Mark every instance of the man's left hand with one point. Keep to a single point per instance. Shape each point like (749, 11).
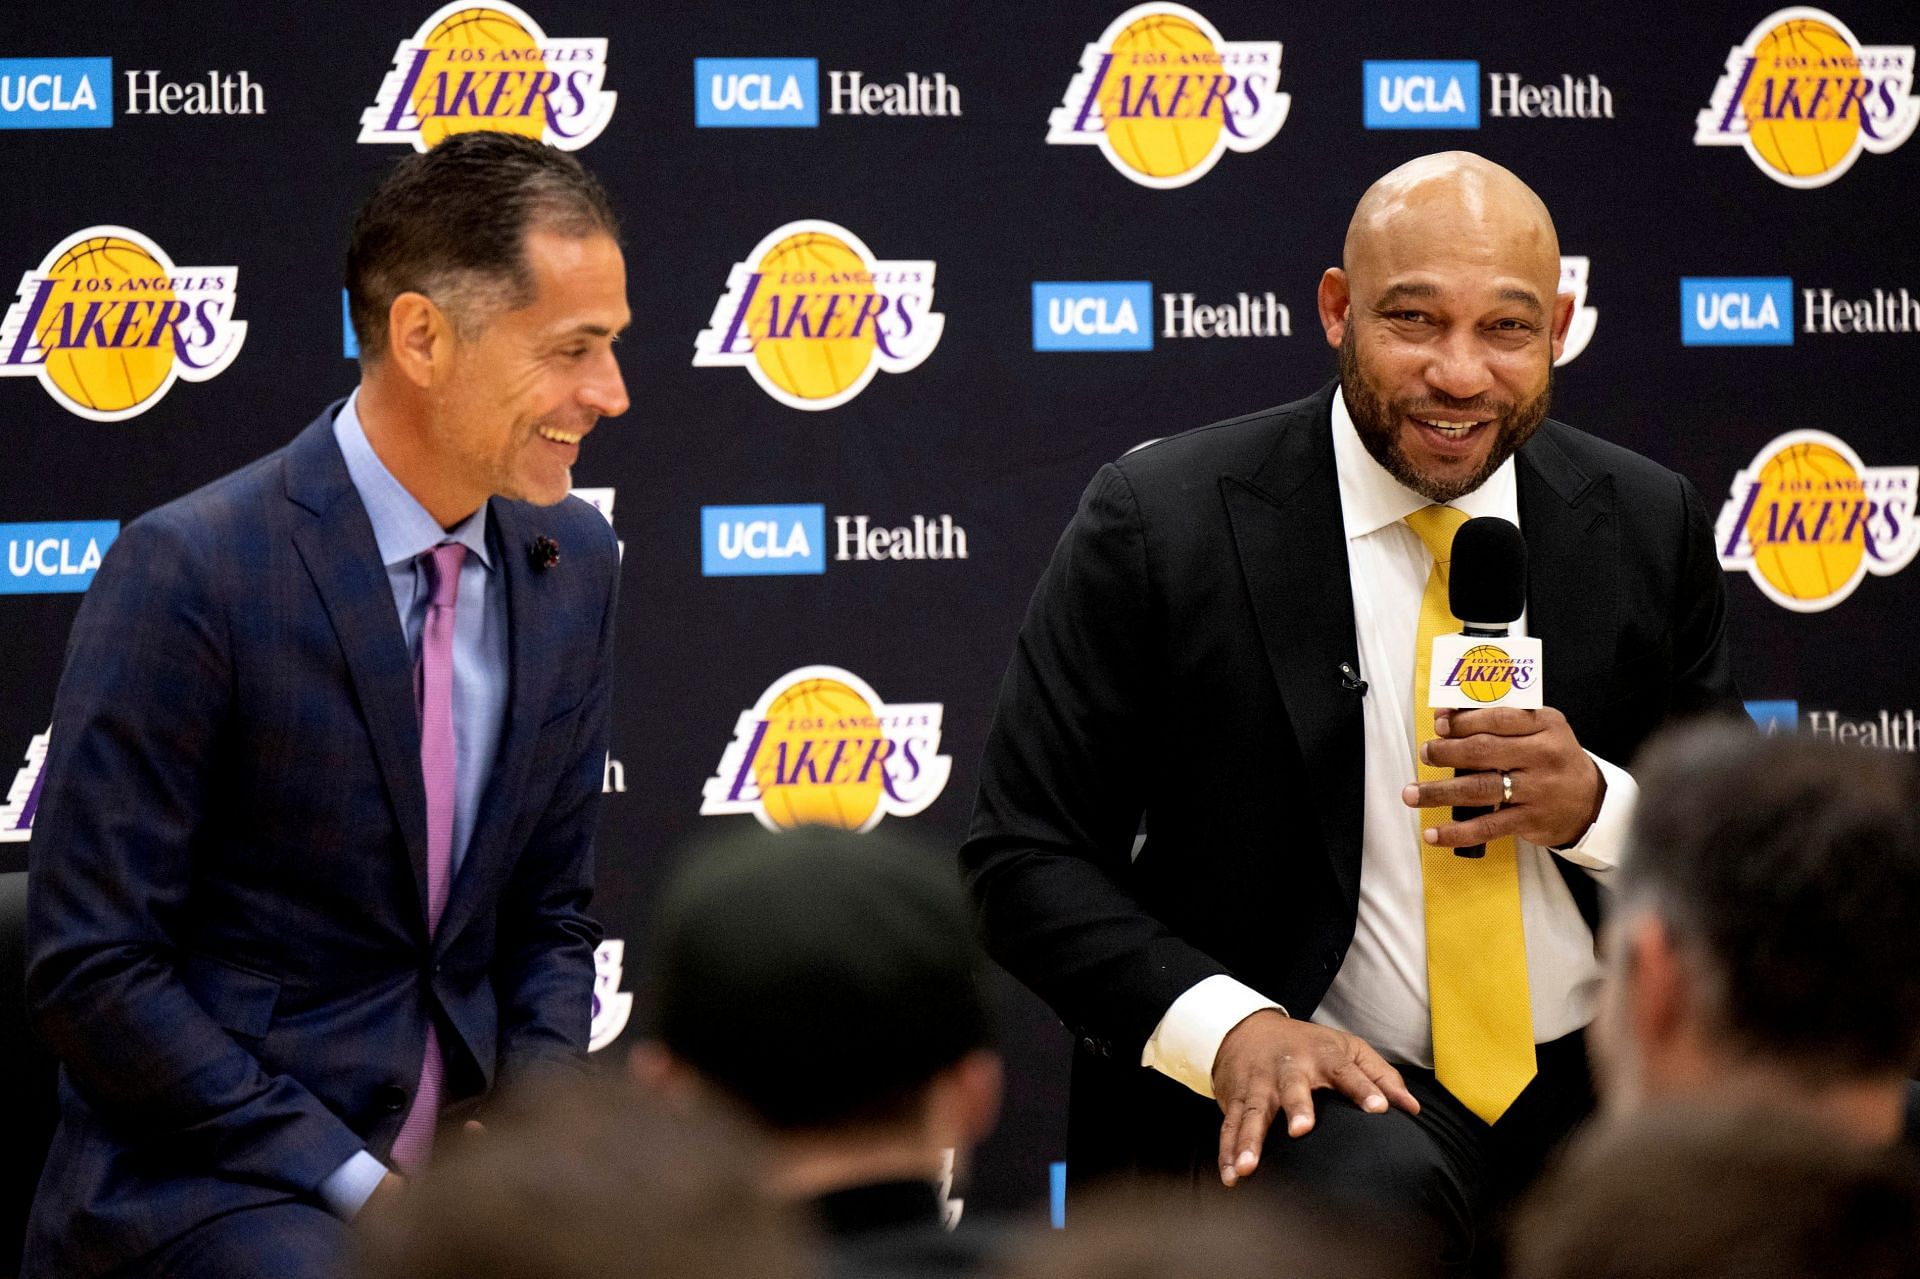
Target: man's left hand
(1557, 788)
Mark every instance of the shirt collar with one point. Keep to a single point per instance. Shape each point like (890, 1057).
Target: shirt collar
(1371, 499)
(402, 528)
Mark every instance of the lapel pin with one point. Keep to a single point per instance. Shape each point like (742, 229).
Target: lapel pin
(543, 553)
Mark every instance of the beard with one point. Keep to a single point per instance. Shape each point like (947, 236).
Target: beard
(1379, 421)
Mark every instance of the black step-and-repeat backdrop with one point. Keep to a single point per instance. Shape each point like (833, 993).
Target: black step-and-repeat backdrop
(903, 276)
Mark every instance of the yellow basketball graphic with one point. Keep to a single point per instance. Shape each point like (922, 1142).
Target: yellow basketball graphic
(107, 269)
(467, 44)
(834, 726)
(1156, 147)
(1802, 50)
(1486, 658)
(796, 272)
(1804, 567)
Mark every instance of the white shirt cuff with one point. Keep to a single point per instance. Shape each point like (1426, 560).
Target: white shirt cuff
(347, 1187)
(1600, 849)
(1184, 1044)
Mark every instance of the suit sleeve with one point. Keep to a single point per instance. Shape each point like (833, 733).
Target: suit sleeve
(136, 746)
(1062, 788)
(1703, 682)
(543, 961)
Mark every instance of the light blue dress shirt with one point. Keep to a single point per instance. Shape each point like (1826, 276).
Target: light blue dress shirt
(404, 531)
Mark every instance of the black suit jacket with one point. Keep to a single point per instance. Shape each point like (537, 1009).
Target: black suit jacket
(1178, 674)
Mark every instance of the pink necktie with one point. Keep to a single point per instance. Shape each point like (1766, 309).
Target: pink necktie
(433, 693)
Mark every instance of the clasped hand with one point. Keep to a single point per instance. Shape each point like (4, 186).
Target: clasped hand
(1557, 788)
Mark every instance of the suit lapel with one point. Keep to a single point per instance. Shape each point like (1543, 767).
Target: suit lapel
(1292, 548)
(338, 548)
(533, 660)
(1573, 563)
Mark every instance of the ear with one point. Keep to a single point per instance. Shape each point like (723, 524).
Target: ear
(1335, 299)
(420, 339)
(965, 1100)
(1662, 1006)
(1562, 321)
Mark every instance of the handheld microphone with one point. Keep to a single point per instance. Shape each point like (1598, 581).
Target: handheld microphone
(1483, 665)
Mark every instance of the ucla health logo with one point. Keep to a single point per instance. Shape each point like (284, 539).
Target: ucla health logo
(1808, 521)
(1421, 95)
(56, 93)
(1573, 279)
(1091, 315)
(612, 1006)
(54, 559)
(756, 93)
(820, 748)
(812, 315)
(107, 322)
(741, 541)
(1164, 96)
(1736, 311)
(490, 66)
(1803, 97)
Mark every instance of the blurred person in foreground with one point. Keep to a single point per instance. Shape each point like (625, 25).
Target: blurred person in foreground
(311, 873)
(829, 982)
(598, 1182)
(1686, 1191)
(1126, 1234)
(1764, 943)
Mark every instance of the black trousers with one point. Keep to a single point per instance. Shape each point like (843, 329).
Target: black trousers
(1441, 1180)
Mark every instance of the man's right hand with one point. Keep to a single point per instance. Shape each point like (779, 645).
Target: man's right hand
(1270, 1064)
(382, 1203)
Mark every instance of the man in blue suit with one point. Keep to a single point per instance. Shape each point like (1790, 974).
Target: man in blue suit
(311, 874)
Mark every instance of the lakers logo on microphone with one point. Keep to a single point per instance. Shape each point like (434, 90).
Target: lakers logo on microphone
(821, 748)
(1809, 520)
(812, 315)
(490, 66)
(1469, 671)
(107, 323)
(1164, 96)
(1804, 98)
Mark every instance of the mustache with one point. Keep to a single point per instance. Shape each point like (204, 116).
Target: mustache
(1478, 406)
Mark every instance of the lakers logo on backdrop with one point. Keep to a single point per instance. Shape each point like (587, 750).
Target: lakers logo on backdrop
(821, 748)
(490, 66)
(107, 323)
(1164, 96)
(812, 315)
(1804, 97)
(1808, 521)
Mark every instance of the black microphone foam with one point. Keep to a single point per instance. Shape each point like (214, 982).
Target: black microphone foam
(1487, 582)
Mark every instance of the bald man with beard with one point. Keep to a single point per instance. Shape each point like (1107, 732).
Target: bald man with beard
(1199, 832)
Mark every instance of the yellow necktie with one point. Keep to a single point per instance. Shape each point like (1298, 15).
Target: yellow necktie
(1476, 951)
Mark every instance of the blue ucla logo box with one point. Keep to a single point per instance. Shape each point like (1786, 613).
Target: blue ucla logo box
(1093, 315)
(756, 93)
(1775, 716)
(738, 541)
(1421, 95)
(56, 93)
(1736, 311)
(54, 559)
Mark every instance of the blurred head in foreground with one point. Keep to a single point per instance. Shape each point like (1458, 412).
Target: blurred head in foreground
(1765, 933)
(1691, 1192)
(1132, 1234)
(828, 982)
(593, 1182)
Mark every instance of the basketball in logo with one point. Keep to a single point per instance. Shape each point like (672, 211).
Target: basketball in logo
(842, 798)
(811, 367)
(1808, 521)
(1157, 147)
(464, 40)
(106, 379)
(1807, 147)
(1494, 669)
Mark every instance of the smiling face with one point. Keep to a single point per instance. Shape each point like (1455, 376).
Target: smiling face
(508, 417)
(1447, 320)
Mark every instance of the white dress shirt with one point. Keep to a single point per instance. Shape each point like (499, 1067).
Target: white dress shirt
(1380, 992)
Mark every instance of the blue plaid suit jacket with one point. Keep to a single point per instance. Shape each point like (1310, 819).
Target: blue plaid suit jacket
(228, 946)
